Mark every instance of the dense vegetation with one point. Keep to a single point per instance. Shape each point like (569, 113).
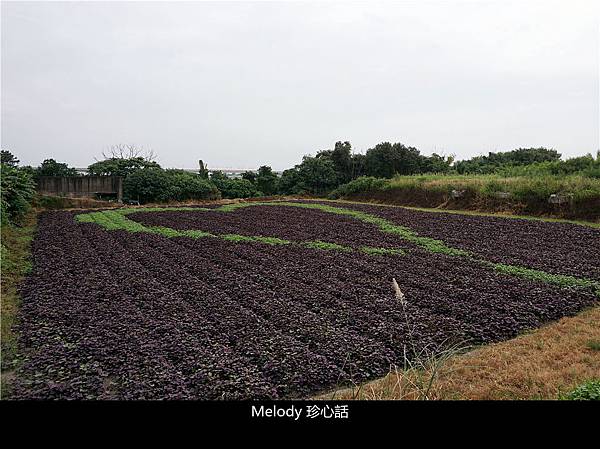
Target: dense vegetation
(493, 161)
(17, 189)
(158, 185)
(521, 181)
(330, 168)
(116, 166)
(524, 178)
(589, 391)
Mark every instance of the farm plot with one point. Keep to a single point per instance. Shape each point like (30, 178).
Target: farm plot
(560, 248)
(256, 300)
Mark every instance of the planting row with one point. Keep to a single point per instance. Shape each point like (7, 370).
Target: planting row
(554, 248)
(561, 248)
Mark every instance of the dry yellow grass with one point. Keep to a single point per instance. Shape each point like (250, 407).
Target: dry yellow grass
(543, 364)
(14, 263)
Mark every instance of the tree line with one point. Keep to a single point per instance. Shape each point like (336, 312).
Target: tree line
(146, 181)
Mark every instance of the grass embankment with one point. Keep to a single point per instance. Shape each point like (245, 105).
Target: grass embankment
(579, 195)
(558, 361)
(15, 264)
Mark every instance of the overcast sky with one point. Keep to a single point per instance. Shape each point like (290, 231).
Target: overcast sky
(245, 84)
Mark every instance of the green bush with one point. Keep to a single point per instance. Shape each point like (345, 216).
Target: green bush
(115, 166)
(146, 185)
(234, 188)
(266, 180)
(359, 185)
(158, 185)
(589, 391)
(186, 186)
(52, 168)
(494, 162)
(290, 183)
(16, 193)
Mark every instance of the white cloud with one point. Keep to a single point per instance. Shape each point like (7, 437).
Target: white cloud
(242, 84)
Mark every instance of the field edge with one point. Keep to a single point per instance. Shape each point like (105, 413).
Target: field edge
(15, 264)
(542, 364)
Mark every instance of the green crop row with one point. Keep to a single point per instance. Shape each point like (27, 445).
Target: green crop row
(116, 220)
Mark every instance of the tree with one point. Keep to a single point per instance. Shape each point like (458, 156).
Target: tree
(342, 159)
(217, 176)
(188, 186)
(317, 175)
(494, 161)
(17, 190)
(386, 160)
(7, 158)
(233, 188)
(203, 170)
(525, 156)
(52, 168)
(154, 184)
(290, 183)
(436, 164)
(146, 185)
(250, 176)
(359, 165)
(128, 151)
(341, 156)
(266, 180)
(120, 166)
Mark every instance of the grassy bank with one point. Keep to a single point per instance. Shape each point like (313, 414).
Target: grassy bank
(548, 363)
(15, 263)
(579, 196)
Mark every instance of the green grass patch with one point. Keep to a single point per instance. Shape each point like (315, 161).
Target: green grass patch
(15, 264)
(196, 234)
(537, 275)
(594, 345)
(381, 251)
(588, 391)
(327, 246)
(272, 240)
(237, 238)
(166, 232)
(133, 210)
(112, 220)
(522, 188)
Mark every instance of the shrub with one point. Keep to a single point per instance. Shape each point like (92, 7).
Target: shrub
(146, 185)
(52, 168)
(158, 185)
(290, 183)
(234, 188)
(16, 193)
(359, 185)
(185, 186)
(594, 345)
(266, 180)
(116, 166)
(589, 391)
(317, 175)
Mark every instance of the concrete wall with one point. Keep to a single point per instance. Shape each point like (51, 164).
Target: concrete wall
(80, 186)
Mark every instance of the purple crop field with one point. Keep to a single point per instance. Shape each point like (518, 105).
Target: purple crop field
(561, 248)
(110, 312)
